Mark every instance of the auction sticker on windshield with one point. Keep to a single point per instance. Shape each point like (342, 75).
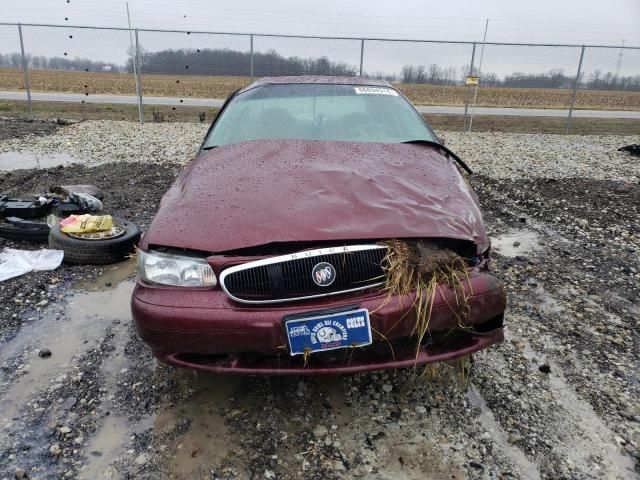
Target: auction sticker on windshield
(375, 91)
(328, 332)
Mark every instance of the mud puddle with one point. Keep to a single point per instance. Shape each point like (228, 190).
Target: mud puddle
(516, 243)
(207, 441)
(26, 159)
(110, 441)
(111, 277)
(114, 432)
(191, 433)
(65, 333)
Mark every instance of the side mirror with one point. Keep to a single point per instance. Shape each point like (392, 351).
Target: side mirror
(442, 140)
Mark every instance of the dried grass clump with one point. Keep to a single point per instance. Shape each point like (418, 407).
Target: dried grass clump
(421, 267)
(458, 369)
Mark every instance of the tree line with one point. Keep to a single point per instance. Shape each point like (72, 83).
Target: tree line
(271, 63)
(556, 78)
(233, 62)
(58, 63)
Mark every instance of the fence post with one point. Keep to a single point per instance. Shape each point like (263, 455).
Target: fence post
(575, 89)
(361, 55)
(25, 67)
(251, 55)
(138, 74)
(466, 102)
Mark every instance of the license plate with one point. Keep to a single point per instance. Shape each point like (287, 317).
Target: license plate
(321, 333)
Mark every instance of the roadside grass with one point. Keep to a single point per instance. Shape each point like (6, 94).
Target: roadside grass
(100, 111)
(557, 125)
(441, 122)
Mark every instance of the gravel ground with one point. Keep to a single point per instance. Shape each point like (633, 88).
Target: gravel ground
(519, 155)
(558, 399)
(95, 141)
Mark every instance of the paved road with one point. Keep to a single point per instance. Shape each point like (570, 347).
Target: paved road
(217, 102)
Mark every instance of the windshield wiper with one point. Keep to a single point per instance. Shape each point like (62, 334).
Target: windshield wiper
(209, 147)
(439, 146)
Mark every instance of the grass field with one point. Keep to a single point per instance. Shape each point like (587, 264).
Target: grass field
(481, 123)
(220, 86)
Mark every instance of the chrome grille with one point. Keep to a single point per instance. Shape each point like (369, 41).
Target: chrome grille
(289, 277)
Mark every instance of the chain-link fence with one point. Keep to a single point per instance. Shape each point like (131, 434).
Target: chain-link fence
(162, 75)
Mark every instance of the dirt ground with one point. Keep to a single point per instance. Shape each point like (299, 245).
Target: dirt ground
(557, 400)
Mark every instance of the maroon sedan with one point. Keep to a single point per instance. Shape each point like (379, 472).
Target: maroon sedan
(267, 255)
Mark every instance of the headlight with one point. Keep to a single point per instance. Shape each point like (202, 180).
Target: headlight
(175, 270)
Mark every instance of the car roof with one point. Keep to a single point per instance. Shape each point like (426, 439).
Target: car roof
(316, 79)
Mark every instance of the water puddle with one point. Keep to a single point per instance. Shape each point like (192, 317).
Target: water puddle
(527, 468)
(20, 160)
(112, 275)
(107, 444)
(66, 333)
(207, 440)
(516, 243)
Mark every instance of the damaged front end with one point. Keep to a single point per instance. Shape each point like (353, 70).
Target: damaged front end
(328, 310)
(322, 260)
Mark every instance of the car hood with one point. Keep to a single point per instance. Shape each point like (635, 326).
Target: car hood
(260, 192)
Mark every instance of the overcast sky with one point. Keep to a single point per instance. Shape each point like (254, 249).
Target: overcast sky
(570, 21)
(539, 21)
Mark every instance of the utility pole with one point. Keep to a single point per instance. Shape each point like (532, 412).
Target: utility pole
(135, 51)
(576, 83)
(25, 68)
(619, 64)
(475, 93)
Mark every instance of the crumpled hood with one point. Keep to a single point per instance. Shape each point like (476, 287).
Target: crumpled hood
(259, 192)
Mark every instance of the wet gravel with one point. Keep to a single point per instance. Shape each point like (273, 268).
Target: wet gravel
(96, 141)
(558, 399)
(521, 156)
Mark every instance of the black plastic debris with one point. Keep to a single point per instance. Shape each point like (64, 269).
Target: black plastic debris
(14, 228)
(25, 209)
(633, 149)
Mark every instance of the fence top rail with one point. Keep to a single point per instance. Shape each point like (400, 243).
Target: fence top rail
(317, 37)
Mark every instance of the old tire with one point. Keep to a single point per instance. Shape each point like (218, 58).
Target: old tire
(11, 232)
(96, 252)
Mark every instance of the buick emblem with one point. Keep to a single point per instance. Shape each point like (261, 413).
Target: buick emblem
(323, 274)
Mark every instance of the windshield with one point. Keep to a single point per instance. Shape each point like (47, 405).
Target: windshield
(319, 112)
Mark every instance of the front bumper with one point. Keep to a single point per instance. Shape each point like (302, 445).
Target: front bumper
(205, 330)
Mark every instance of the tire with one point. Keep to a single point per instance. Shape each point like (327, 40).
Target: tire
(96, 252)
(11, 232)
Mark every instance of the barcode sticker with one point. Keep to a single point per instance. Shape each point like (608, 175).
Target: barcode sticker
(376, 91)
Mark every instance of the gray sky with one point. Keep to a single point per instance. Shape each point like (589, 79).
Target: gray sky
(541, 21)
(565, 21)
